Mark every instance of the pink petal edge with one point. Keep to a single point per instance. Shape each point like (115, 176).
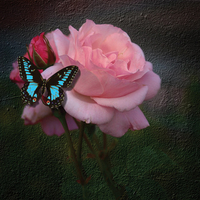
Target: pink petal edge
(85, 109)
(32, 115)
(124, 103)
(122, 121)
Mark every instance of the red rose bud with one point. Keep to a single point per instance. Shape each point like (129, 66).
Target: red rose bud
(51, 55)
(40, 52)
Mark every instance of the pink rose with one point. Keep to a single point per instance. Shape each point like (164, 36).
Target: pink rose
(115, 78)
(40, 113)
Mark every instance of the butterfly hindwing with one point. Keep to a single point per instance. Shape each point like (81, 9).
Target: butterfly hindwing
(30, 93)
(55, 96)
(30, 74)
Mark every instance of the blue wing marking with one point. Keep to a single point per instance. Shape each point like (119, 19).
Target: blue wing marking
(54, 92)
(61, 82)
(65, 77)
(29, 77)
(26, 65)
(31, 89)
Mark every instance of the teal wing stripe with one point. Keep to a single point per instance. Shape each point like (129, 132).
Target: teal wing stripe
(54, 92)
(31, 89)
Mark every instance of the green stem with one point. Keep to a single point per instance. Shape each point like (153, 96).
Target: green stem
(60, 114)
(104, 170)
(64, 123)
(97, 142)
(104, 141)
(77, 122)
(88, 143)
(80, 142)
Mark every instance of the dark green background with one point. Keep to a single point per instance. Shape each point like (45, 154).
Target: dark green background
(160, 162)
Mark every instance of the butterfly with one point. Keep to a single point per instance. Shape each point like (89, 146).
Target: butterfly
(35, 86)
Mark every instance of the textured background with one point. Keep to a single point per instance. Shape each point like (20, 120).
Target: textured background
(160, 162)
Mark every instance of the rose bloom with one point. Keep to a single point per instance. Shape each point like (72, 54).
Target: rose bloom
(115, 77)
(40, 113)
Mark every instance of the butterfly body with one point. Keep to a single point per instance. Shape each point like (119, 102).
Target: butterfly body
(35, 86)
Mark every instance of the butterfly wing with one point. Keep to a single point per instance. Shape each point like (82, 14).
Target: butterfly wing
(55, 96)
(29, 73)
(30, 93)
(62, 78)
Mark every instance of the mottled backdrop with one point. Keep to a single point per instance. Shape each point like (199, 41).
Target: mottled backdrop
(160, 162)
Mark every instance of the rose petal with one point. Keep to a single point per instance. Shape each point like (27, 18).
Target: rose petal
(32, 115)
(85, 30)
(92, 87)
(74, 47)
(52, 70)
(85, 109)
(52, 126)
(112, 56)
(113, 87)
(135, 76)
(61, 42)
(135, 55)
(153, 82)
(115, 42)
(120, 67)
(122, 121)
(124, 103)
(97, 33)
(99, 59)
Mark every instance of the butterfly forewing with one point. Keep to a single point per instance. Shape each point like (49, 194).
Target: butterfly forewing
(28, 71)
(62, 78)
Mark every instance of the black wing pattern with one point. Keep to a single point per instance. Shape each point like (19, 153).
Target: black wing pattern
(30, 74)
(35, 85)
(62, 78)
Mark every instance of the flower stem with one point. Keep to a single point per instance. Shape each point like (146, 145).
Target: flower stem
(73, 152)
(77, 161)
(80, 142)
(104, 141)
(104, 169)
(88, 143)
